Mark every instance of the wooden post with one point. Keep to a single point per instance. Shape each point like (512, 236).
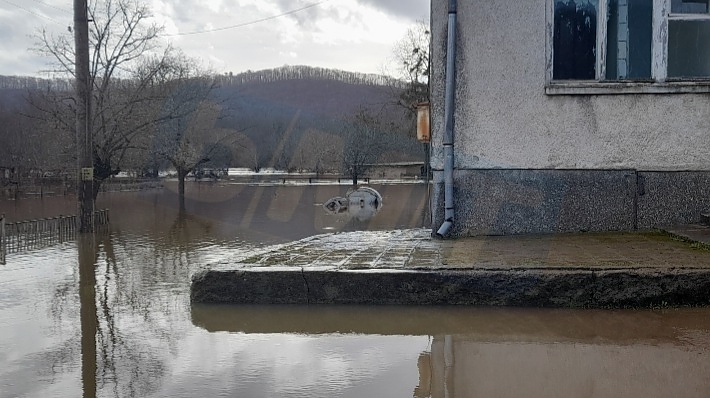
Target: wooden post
(8, 236)
(2, 239)
(83, 117)
(34, 227)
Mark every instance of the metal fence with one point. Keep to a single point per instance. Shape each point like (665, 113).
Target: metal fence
(34, 234)
(3, 250)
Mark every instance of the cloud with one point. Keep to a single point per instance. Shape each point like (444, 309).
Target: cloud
(355, 35)
(340, 34)
(412, 10)
(19, 23)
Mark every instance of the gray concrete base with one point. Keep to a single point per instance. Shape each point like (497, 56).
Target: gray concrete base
(522, 201)
(529, 288)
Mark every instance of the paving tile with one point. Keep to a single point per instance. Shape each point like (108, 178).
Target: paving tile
(415, 249)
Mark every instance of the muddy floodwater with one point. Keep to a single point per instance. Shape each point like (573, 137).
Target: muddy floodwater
(110, 316)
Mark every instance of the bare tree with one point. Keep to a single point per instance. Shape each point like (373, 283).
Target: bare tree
(296, 72)
(192, 139)
(29, 149)
(411, 56)
(362, 144)
(124, 86)
(317, 151)
(411, 64)
(53, 111)
(269, 147)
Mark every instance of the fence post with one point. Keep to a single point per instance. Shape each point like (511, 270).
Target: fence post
(2, 239)
(23, 235)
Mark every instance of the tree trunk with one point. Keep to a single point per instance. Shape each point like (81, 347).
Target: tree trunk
(354, 180)
(97, 187)
(181, 182)
(182, 174)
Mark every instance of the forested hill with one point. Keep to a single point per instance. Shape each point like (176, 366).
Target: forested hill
(301, 72)
(33, 83)
(328, 92)
(248, 78)
(295, 109)
(329, 98)
(264, 104)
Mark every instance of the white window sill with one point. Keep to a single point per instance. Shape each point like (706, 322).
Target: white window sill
(585, 87)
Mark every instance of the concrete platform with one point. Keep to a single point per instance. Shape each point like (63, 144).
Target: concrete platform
(603, 270)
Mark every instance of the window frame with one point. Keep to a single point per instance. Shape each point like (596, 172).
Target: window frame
(659, 82)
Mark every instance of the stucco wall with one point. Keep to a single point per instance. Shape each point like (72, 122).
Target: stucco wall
(529, 162)
(504, 119)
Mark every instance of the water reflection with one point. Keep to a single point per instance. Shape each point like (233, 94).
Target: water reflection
(112, 362)
(111, 316)
(361, 204)
(511, 352)
(88, 315)
(259, 214)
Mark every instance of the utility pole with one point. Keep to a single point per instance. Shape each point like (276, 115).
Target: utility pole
(84, 137)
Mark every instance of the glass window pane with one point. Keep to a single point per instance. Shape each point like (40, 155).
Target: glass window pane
(629, 36)
(688, 43)
(689, 6)
(575, 40)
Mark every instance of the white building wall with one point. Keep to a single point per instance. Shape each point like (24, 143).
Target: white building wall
(504, 119)
(529, 162)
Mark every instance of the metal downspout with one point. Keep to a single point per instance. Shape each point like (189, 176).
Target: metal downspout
(449, 123)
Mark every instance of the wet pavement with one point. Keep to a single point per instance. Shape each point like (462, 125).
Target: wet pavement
(621, 269)
(415, 249)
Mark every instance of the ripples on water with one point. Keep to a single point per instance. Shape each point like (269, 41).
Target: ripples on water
(112, 318)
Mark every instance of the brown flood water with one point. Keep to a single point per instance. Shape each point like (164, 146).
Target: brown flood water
(110, 317)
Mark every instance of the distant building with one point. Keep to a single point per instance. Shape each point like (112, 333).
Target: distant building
(591, 115)
(396, 170)
(7, 175)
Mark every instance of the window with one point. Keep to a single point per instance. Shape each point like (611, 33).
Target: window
(629, 36)
(575, 40)
(688, 39)
(651, 42)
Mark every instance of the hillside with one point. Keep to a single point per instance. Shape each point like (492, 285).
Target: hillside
(291, 108)
(327, 92)
(326, 97)
(12, 99)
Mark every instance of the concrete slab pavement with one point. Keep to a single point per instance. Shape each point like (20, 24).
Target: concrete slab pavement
(624, 269)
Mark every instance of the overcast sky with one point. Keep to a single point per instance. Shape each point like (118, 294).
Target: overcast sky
(353, 35)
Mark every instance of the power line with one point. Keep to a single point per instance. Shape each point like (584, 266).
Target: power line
(55, 7)
(34, 13)
(250, 22)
